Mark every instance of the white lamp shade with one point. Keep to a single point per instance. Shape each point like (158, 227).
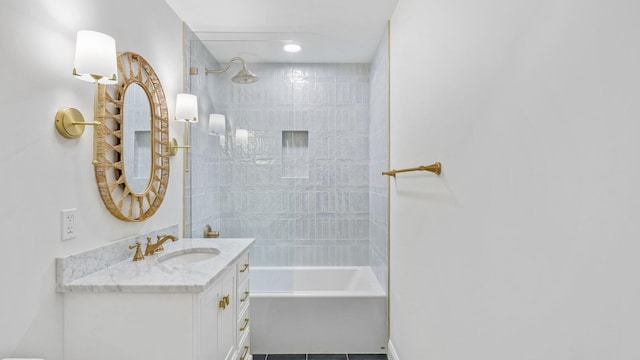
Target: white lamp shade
(187, 108)
(216, 124)
(242, 136)
(95, 59)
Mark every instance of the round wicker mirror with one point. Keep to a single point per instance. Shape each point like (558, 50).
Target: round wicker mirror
(117, 195)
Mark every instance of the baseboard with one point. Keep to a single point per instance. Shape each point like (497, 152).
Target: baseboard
(391, 352)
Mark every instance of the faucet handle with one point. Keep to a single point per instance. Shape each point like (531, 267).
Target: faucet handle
(159, 248)
(209, 233)
(148, 250)
(138, 256)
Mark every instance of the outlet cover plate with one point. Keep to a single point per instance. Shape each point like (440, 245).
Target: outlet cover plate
(68, 228)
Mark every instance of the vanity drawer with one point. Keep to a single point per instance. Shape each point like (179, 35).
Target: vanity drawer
(244, 351)
(243, 326)
(242, 297)
(242, 267)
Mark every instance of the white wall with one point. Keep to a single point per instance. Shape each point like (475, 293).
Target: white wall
(527, 246)
(42, 172)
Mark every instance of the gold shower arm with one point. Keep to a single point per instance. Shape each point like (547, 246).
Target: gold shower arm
(219, 71)
(435, 168)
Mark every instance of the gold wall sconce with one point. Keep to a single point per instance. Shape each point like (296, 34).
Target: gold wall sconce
(187, 112)
(95, 61)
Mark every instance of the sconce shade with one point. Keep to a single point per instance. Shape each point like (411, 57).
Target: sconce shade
(216, 124)
(187, 108)
(242, 136)
(95, 58)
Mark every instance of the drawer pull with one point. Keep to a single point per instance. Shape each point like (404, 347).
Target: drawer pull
(224, 302)
(244, 353)
(246, 296)
(246, 266)
(246, 323)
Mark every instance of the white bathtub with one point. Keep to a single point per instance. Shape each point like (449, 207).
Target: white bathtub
(321, 310)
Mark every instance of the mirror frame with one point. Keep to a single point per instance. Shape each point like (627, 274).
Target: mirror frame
(120, 200)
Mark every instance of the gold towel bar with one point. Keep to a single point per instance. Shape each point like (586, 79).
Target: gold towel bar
(435, 168)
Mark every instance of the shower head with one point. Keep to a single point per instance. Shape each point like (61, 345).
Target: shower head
(244, 76)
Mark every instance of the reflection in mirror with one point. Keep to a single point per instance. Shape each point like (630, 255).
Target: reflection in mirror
(137, 137)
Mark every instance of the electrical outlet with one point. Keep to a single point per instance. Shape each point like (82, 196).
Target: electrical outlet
(68, 230)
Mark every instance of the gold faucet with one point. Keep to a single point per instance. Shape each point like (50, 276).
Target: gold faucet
(157, 247)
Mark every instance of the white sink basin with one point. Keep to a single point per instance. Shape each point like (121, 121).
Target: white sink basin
(188, 256)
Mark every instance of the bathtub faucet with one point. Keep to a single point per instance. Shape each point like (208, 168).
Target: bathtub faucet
(157, 247)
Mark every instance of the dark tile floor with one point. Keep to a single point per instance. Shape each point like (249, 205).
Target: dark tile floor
(320, 357)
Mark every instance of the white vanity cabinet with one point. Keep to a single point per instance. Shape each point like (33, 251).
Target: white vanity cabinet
(215, 318)
(226, 315)
(144, 325)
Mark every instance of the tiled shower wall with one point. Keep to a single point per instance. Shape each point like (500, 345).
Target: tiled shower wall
(318, 212)
(327, 206)
(378, 162)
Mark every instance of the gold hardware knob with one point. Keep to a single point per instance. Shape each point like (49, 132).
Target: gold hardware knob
(246, 323)
(246, 296)
(224, 302)
(246, 266)
(244, 353)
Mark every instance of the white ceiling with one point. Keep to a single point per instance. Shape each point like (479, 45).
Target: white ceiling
(330, 31)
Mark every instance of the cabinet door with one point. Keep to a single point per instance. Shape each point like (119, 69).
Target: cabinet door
(227, 318)
(207, 317)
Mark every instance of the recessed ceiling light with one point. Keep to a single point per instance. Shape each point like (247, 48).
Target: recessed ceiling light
(292, 48)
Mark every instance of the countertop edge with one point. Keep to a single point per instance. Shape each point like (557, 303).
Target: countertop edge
(94, 283)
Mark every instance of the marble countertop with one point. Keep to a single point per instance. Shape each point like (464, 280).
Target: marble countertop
(152, 276)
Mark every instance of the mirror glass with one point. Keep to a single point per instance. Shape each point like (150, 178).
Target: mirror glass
(137, 137)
